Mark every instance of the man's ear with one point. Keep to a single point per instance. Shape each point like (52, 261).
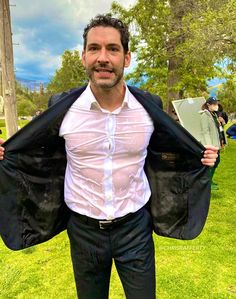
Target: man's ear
(83, 58)
(127, 59)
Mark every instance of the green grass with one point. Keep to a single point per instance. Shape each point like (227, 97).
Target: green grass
(202, 268)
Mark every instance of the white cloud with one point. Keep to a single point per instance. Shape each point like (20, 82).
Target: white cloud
(45, 29)
(40, 60)
(85, 10)
(72, 13)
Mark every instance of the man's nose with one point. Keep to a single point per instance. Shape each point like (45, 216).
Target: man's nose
(103, 56)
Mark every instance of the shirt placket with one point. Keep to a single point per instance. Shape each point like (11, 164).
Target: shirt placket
(110, 147)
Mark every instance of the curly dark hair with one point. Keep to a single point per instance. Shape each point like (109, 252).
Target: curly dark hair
(107, 20)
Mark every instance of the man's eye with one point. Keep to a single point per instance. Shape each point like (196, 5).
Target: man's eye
(114, 49)
(93, 49)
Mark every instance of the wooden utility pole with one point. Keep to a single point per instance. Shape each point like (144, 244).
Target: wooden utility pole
(7, 69)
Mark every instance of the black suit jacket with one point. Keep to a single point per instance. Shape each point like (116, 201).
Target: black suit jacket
(32, 208)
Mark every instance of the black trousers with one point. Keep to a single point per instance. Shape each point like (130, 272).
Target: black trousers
(129, 244)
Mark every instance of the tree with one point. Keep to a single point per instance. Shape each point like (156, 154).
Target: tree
(173, 57)
(24, 103)
(7, 69)
(29, 102)
(71, 73)
(227, 95)
(216, 32)
(40, 100)
(25, 107)
(217, 27)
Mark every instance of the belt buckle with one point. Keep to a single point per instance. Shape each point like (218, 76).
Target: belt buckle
(104, 224)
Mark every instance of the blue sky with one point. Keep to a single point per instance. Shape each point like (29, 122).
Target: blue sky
(44, 29)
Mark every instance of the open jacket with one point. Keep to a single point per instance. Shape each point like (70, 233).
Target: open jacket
(32, 208)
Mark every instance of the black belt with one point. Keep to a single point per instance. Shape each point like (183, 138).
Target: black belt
(106, 224)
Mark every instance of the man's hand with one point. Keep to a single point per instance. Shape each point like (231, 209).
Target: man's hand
(210, 155)
(1, 149)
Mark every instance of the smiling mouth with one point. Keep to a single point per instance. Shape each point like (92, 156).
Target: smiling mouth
(100, 70)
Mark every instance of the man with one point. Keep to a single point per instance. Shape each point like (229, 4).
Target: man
(107, 132)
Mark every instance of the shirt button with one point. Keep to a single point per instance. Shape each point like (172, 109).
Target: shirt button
(109, 197)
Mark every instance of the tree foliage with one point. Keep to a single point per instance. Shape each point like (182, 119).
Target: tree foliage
(28, 102)
(227, 95)
(25, 107)
(71, 73)
(178, 43)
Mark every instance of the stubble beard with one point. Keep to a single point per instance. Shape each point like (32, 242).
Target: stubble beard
(105, 85)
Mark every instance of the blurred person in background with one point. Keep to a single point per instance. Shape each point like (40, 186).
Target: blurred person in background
(231, 131)
(223, 119)
(211, 131)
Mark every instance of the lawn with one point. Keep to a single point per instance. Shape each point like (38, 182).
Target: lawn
(201, 268)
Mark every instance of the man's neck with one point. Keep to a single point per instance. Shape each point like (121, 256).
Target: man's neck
(109, 99)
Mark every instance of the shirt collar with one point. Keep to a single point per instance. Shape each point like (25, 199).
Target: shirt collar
(88, 101)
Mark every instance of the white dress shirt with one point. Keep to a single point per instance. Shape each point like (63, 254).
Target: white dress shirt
(106, 153)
